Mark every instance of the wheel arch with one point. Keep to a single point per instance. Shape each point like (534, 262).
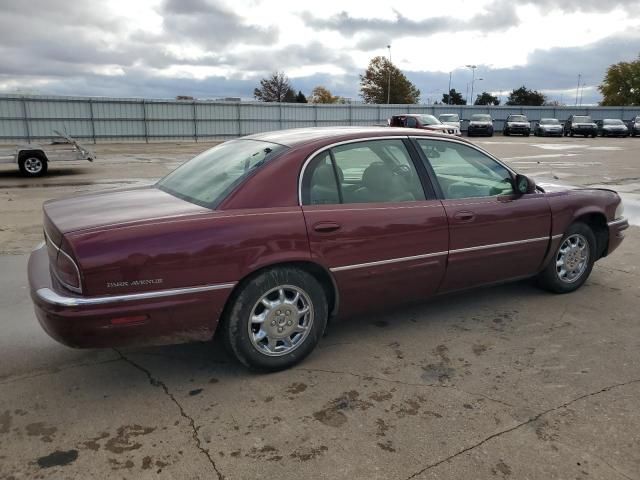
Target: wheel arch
(597, 221)
(31, 151)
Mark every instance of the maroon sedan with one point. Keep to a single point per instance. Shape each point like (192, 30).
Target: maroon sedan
(269, 236)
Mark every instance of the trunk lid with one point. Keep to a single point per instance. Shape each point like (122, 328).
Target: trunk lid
(86, 212)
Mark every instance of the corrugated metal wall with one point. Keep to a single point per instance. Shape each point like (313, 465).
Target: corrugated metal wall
(34, 118)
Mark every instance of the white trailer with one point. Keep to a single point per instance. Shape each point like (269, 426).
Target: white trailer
(33, 159)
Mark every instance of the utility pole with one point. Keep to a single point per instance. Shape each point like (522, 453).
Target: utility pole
(581, 92)
(449, 91)
(389, 80)
(578, 87)
(473, 79)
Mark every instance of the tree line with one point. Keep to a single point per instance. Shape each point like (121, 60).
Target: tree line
(383, 82)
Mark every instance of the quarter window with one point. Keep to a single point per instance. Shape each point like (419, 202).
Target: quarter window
(464, 172)
(363, 172)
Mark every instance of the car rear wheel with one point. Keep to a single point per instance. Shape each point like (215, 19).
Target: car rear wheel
(572, 262)
(276, 319)
(32, 165)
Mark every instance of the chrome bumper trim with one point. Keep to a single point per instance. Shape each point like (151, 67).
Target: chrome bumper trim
(49, 296)
(621, 221)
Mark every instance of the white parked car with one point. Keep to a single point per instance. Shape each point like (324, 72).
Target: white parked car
(452, 119)
(422, 121)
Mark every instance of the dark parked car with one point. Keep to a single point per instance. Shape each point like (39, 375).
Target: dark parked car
(634, 126)
(580, 125)
(611, 127)
(265, 238)
(480, 124)
(548, 126)
(517, 124)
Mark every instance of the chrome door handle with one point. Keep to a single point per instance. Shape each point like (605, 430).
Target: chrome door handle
(465, 216)
(326, 227)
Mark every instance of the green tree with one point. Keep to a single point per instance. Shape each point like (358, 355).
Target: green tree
(374, 84)
(300, 98)
(486, 99)
(275, 88)
(621, 84)
(321, 94)
(524, 96)
(453, 98)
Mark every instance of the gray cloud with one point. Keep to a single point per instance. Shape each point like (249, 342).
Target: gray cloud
(210, 25)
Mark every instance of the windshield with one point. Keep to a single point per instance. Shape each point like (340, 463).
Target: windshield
(206, 179)
(517, 118)
(582, 120)
(612, 122)
(429, 120)
(480, 118)
(449, 117)
(549, 121)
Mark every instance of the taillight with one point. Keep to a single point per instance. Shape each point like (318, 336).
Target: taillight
(67, 271)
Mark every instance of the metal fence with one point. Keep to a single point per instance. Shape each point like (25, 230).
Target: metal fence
(34, 118)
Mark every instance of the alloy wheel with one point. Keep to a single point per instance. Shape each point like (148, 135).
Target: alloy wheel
(572, 258)
(281, 320)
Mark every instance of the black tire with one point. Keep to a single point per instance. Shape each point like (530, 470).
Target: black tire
(33, 164)
(564, 133)
(237, 319)
(505, 132)
(550, 279)
(527, 134)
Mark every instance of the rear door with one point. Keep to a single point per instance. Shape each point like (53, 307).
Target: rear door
(374, 223)
(495, 234)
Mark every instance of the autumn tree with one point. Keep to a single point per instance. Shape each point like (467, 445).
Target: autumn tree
(485, 98)
(524, 96)
(621, 84)
(453, 98)
(321, 94)
(275, 88)
(374, 84)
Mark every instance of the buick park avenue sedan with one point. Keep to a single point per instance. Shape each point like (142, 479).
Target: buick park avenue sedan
(267, 237)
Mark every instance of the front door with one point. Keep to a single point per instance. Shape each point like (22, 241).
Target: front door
(495, 234)
(372, 225)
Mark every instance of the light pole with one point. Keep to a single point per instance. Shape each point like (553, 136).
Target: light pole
(449, 92)
(578, 87)
(473, 78)
(389, 79)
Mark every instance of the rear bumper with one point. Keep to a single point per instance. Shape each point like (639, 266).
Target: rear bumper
(146, 318)
(616, 233)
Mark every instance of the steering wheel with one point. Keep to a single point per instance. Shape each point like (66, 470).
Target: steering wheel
(403, 171)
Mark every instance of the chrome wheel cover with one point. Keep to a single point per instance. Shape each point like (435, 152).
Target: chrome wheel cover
(33, 165)
(280, 321)
(572, 258)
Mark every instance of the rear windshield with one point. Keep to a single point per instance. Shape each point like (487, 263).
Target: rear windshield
(549, 121)
(582, 120)
(517, 118)
(612, 122)
(480, 118)
(449, 117)
(208, 178)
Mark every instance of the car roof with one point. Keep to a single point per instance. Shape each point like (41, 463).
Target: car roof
(300, 136)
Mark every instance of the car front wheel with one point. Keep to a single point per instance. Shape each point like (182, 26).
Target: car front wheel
(276, 319)
(572, 262)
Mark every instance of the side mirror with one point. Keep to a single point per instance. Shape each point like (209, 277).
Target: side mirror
(524, 184)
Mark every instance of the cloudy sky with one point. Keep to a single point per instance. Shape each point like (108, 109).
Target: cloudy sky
(213, 48)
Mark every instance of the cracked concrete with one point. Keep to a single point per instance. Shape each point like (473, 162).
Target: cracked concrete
(159, 383)
(504, 382)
